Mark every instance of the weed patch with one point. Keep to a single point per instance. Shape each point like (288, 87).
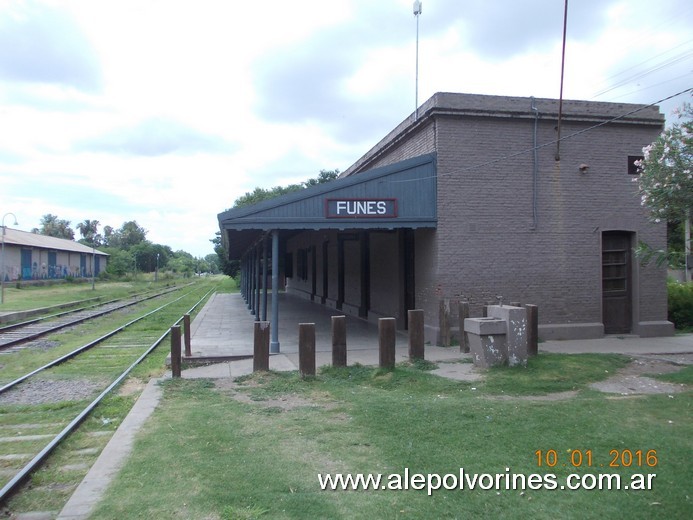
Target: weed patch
(549, 373)
(205, 454)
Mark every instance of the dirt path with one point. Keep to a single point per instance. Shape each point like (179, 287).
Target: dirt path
(634, 378)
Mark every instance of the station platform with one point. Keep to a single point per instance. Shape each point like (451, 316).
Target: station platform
(222, 335)
(224, 327)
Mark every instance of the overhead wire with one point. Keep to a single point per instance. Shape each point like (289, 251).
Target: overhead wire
(519, 153)
(648, 37)
(672, 61)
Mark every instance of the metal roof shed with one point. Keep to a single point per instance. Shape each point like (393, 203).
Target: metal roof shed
(400, 195)
(408, 188)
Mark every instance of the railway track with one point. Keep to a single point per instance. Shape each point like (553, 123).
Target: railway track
(17, 334)
(97, 367)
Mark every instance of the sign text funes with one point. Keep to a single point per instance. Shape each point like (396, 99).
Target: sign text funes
(361, 208)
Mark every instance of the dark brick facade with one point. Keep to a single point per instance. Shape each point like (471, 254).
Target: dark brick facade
(489, 242)
(515, 216)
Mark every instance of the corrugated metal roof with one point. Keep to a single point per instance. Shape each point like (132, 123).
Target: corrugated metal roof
(406, 189)
(26, 239)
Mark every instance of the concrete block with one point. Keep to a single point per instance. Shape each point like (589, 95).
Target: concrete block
(484, 326)
(488, 351)
(487, 341)
(515, 320)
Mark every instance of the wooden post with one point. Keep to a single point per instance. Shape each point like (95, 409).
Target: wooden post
(386, 340)
(306, 349)
(186, 328)
(532, 329)
(261, 346)
(339, 341)
(416, 334)
(444, 322)
(175, 351)
(463, 314)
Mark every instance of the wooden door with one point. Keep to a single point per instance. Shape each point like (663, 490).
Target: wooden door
(27, 271)
(617, 291)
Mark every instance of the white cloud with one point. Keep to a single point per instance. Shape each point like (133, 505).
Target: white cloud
(165, 112)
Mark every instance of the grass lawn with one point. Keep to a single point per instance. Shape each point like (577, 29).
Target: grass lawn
(254, 448)
(37, 296)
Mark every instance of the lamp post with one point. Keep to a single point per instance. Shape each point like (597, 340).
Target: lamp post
(417, 12)
(93, 265)
(156, 271)
(2, 256)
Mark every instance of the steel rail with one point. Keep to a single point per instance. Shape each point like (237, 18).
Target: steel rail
(43, 454)
(38, 334)
(12, 326)
(86, 346)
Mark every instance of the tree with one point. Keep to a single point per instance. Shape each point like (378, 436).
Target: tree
(184, 263)
(108, 233)
(232, 267)
(129, 235)
(228, 267)
(52, 226)
(260, 194)
(212, 261)
(119, 262)
(89, 229)
(665, 182)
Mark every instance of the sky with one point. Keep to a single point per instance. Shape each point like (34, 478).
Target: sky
(166, 111)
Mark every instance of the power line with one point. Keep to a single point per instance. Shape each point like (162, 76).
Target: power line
(550, 143)
(670, 80)
(672, 61)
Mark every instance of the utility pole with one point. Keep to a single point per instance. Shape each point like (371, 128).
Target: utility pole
(417, 12)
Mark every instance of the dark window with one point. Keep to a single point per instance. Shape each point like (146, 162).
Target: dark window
(289, 265)
(632, 167)
(302, 264)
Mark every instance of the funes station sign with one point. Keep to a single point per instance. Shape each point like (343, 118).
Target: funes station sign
(361, 208)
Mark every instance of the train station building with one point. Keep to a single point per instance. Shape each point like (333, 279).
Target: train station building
(30, 256)
(474, 198)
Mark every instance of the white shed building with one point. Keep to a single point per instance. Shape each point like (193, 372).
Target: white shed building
(30, 256)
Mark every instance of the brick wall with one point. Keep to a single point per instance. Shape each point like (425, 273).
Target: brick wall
(488, 243)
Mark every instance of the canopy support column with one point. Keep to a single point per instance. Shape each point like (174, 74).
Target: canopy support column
(274, 324)
(264, 279)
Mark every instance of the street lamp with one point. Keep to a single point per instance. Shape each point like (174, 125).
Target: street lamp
(417, 12)
(93, 265)
(2, 256)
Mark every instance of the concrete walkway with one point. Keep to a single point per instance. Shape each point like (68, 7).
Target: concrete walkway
(224, 329)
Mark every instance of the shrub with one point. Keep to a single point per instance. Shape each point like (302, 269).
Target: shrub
(681, 304)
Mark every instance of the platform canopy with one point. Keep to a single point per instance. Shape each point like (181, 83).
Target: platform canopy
(400, 195)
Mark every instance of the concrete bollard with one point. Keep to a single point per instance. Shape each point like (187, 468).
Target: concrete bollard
(306, 349)
(444, 322)
(532, 329)
(175, 351)
(261, 339)
(339, 341)
(186, 328)
(464, 314)
(515, 321)
(416, 334)
(386, 340)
